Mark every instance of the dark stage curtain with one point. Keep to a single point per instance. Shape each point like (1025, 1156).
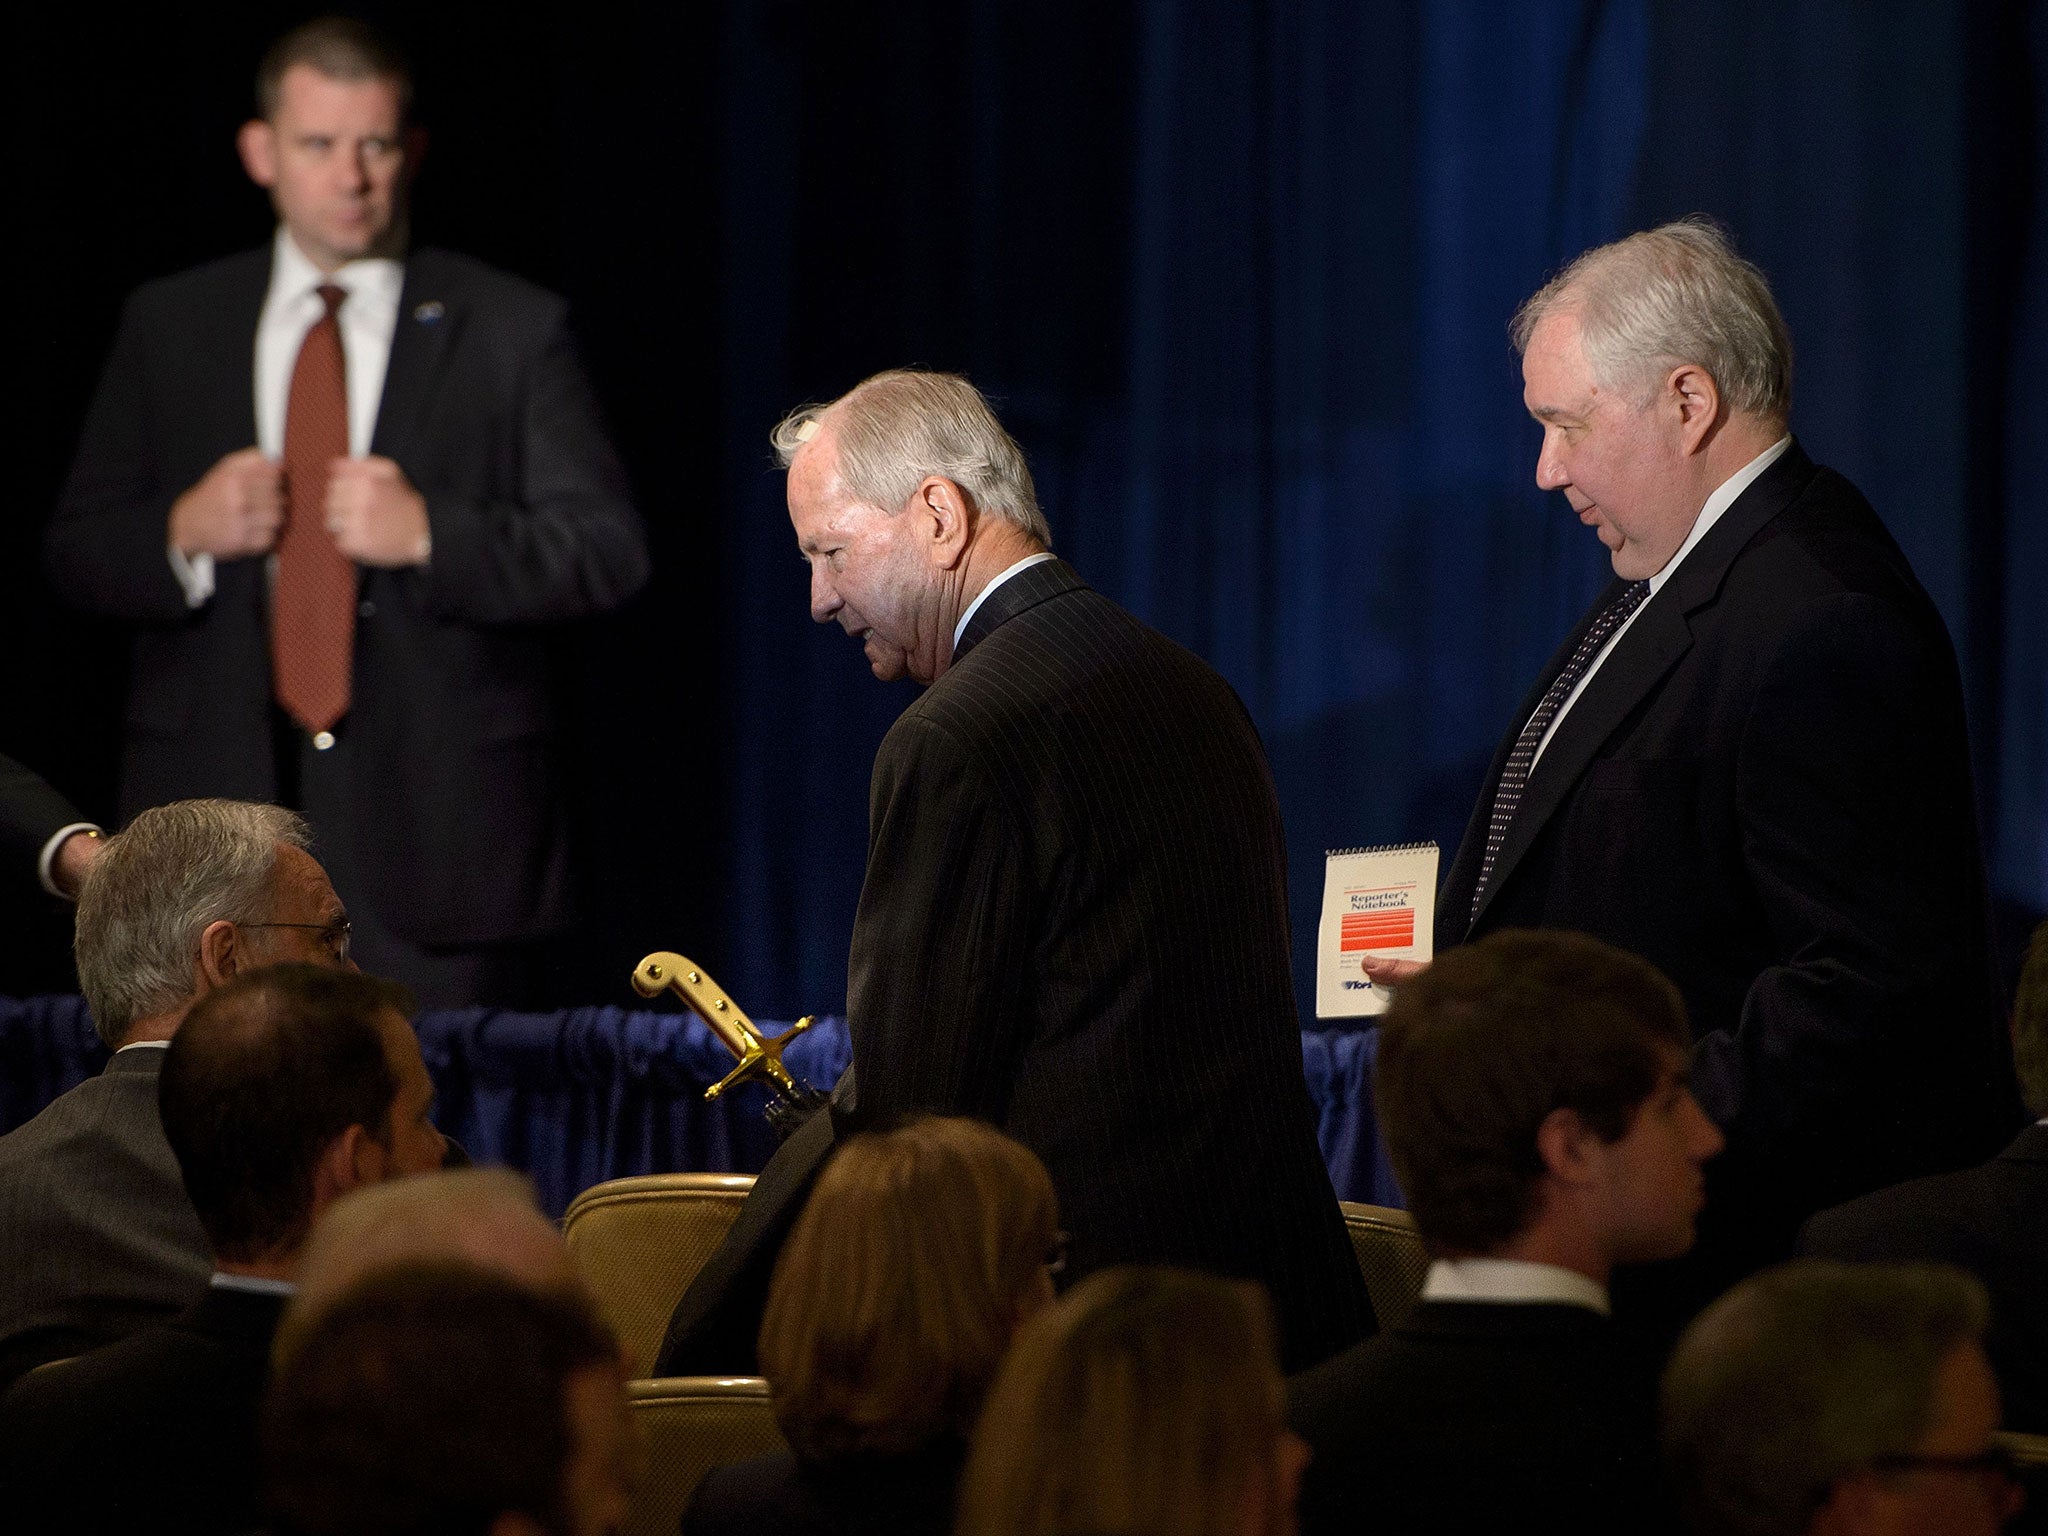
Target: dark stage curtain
(1239, 276)
(590, 1094)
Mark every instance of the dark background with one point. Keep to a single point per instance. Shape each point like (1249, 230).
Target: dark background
(1237, 275)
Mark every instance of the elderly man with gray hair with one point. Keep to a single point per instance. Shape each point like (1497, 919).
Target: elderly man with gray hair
(1822, 1399)
(1746, 763)
(1074, 923)
(99, 1236)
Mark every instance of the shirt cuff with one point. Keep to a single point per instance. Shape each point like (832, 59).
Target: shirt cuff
(45, 865)
(194, 573)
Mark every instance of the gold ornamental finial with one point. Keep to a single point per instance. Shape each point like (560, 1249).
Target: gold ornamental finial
(665, 971)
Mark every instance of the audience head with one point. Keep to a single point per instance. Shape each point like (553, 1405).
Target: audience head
(1532, 1088)
(1838, 1400)
(329, 141)
(191, 895)
(1143, 1401)
(2030, 1025)
(486, 1218)
(283, 1090)
(891, 488)
(444, 1400)
(1658, 366)
(917, 1256)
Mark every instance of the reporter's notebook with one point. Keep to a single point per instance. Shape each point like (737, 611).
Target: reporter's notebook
(1376, 901)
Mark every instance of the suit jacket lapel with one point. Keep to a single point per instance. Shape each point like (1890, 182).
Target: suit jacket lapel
(1026, 589)
(429, 315)
(1639, 661)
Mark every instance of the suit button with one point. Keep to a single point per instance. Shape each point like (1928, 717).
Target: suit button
(322, 740)
(366, 609)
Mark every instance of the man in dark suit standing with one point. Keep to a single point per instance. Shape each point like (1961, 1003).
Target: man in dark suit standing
(1747, 763)
(99, 1236)
(1074, 921)
(284, 1090)
(40, 828)
(1991, 1220)
(346, 579)
(1532, 1088)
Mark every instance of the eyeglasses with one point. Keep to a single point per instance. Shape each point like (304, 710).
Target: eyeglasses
(1056, 1254)
(1995, 1460)
(335, 935)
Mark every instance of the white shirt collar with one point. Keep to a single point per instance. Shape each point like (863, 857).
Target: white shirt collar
(255, 1285)
(1512, 1280)
(1722, 499)
(373, 282)
(143, 1045)
(1022, 565)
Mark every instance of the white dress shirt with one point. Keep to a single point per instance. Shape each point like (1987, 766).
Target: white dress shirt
(255, 1285)
(291, 308)
(1516, 1281)
(46, 861)
(1022, 565)
(1722, 499)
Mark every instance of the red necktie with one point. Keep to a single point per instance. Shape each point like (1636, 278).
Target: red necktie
(313, 601)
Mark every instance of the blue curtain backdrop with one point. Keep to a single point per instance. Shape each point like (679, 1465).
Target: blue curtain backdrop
(1239, 275)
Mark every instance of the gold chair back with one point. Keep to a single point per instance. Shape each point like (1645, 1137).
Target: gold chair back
(640, 1242)
(1390, 1255)
(687, 1426)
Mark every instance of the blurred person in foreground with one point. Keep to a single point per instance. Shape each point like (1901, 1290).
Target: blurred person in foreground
(440, 1399)
(99, 1235)
(1990, 1220)
(283, 1090)
(1824, 1399)
(1145, 1402)
(920, 1253)
(487, 1218)
(1532, 1091)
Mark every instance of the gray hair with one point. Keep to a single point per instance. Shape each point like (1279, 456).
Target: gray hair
(898, 427)
(1675, 294)
(152, 892)
(1801, 1376)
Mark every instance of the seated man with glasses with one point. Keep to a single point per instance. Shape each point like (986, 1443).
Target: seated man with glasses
(1825, 1399)
(99, 1235)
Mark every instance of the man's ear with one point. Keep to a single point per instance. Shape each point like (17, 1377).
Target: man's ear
(257, 142)
(223, 954)
(352, 1159)
(1565, 1144)
(1697, 400)
(947, 520)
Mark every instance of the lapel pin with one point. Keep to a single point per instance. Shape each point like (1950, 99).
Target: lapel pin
(429, 312)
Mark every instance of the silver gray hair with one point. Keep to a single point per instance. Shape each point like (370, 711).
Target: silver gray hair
(1675, 294)
(898, 427)
(1802, 1376)
(152, 892)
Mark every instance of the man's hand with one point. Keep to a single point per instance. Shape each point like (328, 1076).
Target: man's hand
(375, 515)
(73, 858)
(1382, 972)
(235, 510)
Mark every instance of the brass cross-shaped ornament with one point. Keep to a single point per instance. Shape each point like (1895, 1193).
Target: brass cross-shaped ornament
(759, 1055)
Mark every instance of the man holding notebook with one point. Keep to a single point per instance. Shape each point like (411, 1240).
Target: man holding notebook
(1747, 762)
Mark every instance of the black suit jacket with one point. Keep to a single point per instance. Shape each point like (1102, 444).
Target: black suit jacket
(459, 826)
(1991, 1220)
(1765, 790)
(1074, 925)
(30, 814)
(98, 1235)
(1480, 1417)
(155, 1433)
(862, 1496)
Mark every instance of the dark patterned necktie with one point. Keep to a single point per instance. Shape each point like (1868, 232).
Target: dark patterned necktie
(1514, 778)
(313, 601)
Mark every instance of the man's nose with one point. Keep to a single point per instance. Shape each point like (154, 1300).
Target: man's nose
(825, 601)
(356, 167)
(1550, 471)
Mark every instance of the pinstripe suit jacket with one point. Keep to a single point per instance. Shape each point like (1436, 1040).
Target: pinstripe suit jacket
(96, 1231)
(1075, 926)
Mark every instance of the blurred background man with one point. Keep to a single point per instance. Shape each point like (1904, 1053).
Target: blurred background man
(343, 598)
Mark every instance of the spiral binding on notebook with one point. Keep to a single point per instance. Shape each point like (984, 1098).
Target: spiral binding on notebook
(1341, 853)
